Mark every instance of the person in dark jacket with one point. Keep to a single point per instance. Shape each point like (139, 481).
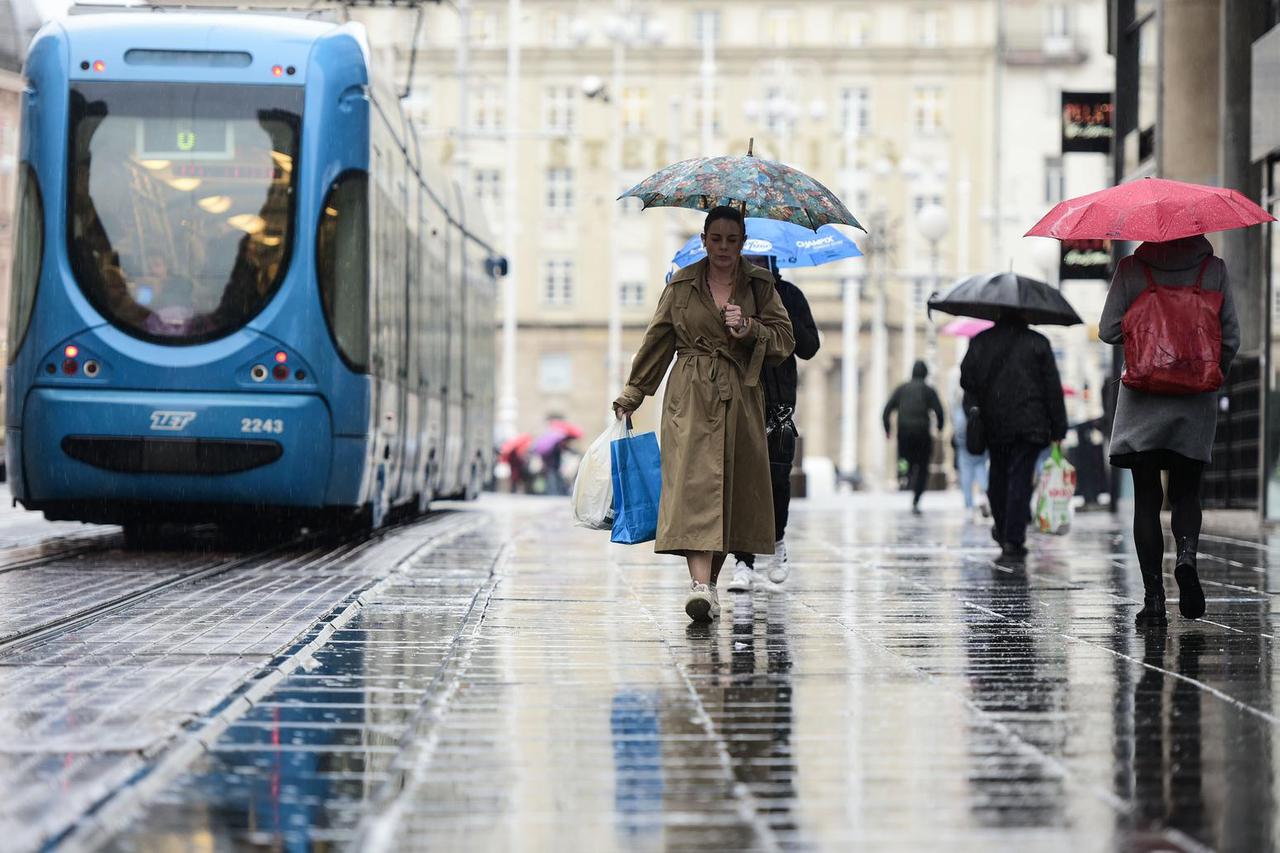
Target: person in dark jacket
(779, 383)
(913, 401)
(1010, 374)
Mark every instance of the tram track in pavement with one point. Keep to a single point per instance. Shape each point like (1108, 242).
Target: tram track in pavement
(320, 549)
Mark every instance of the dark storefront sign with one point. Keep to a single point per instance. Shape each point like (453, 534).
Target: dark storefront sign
(1086, 122)
(1085, 259)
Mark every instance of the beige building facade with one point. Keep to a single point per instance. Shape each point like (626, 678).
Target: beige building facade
(897, 106)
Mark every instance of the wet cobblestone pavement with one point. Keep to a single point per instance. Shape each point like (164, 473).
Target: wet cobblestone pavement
(521, 684)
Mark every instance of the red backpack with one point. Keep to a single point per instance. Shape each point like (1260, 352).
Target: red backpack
(1173, 338)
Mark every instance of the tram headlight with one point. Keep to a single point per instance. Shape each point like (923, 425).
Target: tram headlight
(258, 372)
(91, 368)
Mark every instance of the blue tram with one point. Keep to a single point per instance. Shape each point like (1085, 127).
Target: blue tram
(239, 291)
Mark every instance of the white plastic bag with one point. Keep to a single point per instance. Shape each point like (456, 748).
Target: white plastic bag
(1054, 494)
(593, 487)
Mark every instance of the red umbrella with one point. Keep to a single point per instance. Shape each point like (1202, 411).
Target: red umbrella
(1152, 209)
(515, 445)
(569, 430)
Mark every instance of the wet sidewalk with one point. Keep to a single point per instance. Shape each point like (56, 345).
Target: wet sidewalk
(531, 687)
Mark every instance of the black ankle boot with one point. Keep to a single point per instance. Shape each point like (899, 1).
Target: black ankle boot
(1152, 612)
(1190, 595)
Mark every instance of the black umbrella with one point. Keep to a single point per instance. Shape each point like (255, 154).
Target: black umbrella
(990, 296)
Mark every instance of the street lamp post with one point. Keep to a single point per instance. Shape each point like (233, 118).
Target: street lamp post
(933, 222)
(623, 29)
(508, 402)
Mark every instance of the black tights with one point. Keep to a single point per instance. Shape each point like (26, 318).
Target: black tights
(1148, 498)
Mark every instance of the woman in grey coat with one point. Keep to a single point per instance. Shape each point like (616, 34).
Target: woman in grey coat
(1156, 432)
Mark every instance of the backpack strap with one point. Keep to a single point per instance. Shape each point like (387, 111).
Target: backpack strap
(1204, 265)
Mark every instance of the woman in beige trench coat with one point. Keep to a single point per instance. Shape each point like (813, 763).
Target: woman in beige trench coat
(721, 319)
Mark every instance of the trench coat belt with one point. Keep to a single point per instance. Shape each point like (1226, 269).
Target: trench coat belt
(703, 348)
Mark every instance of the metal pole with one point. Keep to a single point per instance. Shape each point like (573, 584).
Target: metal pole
(879, 383)
(463, 66)
(909, 324)
(997, 161)
(708, 74)
(508, 402)
(850, 333)
(614, 361)
(930, 332)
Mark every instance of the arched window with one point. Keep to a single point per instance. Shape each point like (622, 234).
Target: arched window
(342, 266)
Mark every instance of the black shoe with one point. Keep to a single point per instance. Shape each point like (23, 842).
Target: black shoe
(915, 509)
(1190, 595)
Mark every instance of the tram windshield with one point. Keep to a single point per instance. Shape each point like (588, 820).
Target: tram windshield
(181, 202)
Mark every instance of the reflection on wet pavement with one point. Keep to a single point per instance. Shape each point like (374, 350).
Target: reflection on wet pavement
(529, 686)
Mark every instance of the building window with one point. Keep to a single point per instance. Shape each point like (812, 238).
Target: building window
(557, 282)
(780, 28)
(559, 29)
(919, 201)
(926, 110)
(631, 206)
(555, 373)
(483, 27)
(486, 108)
(928, 27)
(1054, 180)
(560, 190)
(1059, 25)
(705, 24)
(635, 108)
(1057, 34)
(558, 103)
(857, 29)
(631, 294)
(696, 100)
(417, 108)
(488, 187)
(855, 111)
(779, 109)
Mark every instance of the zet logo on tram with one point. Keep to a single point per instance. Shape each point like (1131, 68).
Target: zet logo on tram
(171, 421)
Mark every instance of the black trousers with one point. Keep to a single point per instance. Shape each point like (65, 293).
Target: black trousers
(780, 478)
(1009, 490)
(917, 449)
(1148, 499)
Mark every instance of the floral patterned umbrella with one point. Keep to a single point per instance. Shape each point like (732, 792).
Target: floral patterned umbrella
(761, 188)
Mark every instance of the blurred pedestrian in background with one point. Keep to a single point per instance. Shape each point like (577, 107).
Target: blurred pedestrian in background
(722, 319)
(971, 468)
(1010, 374)
(1156, 432)
(779, 381)
(913, 401)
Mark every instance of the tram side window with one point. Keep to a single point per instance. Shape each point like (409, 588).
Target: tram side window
(342, 266)
(28, 249)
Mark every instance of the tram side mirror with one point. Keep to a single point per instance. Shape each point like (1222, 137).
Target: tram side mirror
(497, 267)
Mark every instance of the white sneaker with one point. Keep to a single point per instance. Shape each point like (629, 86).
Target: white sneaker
(698, 603)
(715, 601)
(743, 578)
(779, 567)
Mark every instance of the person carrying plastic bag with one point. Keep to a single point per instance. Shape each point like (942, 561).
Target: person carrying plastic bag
(720, 319)
(1055, 493)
